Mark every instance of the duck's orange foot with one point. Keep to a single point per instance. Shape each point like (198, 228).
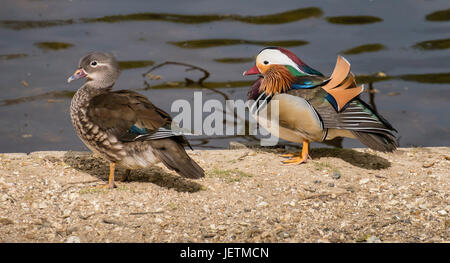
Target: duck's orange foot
(290, 155)
(296, 160)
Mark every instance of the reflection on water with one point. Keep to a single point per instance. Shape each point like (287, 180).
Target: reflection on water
(372, 78)
(20, 24)
(220, 40)
(278, 18)
(234, 60)
(63, 94)
(12, 56)
(353, 20)
(208, 84)
(131, 64)
(439, 16)
(53, 45)
(363, 49)
(434, 44)
(437, 78)
(434, 78)
(206, 43)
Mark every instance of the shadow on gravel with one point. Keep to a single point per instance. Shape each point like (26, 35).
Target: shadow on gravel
(369, 161)
(359, 159)
(99, 168)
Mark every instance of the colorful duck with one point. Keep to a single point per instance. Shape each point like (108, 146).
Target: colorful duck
(313, 107)
(123, 126)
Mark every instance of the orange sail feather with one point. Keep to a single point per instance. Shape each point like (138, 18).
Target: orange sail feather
(342, 84)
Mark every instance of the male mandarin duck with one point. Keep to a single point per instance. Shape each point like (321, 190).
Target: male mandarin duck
(313, 107)
(123, 126)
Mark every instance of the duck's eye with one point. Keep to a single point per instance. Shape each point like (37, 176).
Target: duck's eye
(94, 63)
(266, 62)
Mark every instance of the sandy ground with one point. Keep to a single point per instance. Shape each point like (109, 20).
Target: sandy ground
(341, 195)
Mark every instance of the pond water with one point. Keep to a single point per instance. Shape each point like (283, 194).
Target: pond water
(402, 48)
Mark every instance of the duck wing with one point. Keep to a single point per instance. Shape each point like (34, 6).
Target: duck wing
(358, 117)
(131, 117)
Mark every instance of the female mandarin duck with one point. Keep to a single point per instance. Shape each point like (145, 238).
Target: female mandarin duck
(312, 107)
(123, 126)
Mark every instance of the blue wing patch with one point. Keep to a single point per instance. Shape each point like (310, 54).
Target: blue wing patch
(135, 129)
(304, 85)
(332, 101)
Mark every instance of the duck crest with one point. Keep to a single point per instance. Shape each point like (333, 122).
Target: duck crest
(278, 79)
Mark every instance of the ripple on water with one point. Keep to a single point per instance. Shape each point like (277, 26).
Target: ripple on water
(433, 44)
(131, 64)
(442, 15)
(364, 48)
(207, 43)
(13, 56)
(53, 45)
(277, 18)
(353, 20)
(233, 60)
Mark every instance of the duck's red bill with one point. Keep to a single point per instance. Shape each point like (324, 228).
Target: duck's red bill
(252, 71)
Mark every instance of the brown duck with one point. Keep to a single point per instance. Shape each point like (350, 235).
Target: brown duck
(123, 126)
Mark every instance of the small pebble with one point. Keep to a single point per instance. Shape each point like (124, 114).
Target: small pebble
(336, 175)
(73, 239)
(373, 239)
(442, 212)
(262, 204)
(364, 181)
(428, 165)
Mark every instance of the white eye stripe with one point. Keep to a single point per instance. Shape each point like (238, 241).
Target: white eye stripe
(95, 64)
(274, 56)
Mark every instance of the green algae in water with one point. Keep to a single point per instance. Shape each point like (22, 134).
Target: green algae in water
(175, 18)
(68, 94)
(13, 56)
(435, 78)
(432, 78)
(20, 25)
(282, 18)
(53, 45)
(364, 49)
(433, 44)
(131, 64)
(438, 16)
(371, 78)
(233, 60)
(353, 20)
(278, 18)
(282, 43)
(215, 85)
(230, 84)
(207, 43)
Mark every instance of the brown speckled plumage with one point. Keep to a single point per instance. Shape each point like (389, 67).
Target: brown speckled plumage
(103, 119)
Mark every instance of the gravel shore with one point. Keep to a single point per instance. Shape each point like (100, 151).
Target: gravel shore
(341, 195)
